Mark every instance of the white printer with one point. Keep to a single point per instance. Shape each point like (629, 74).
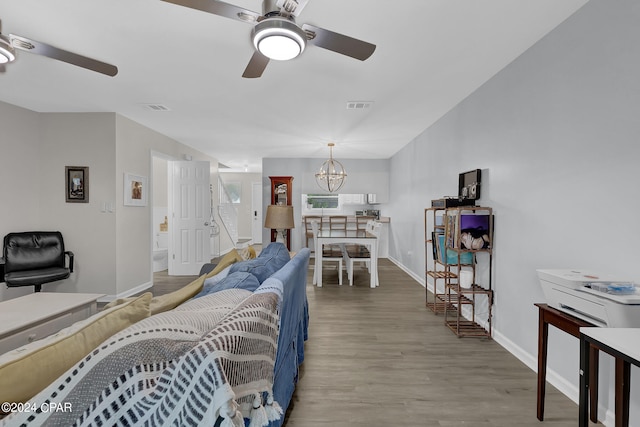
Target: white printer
(603, 301)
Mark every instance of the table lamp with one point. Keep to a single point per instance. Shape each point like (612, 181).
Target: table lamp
(279, 218)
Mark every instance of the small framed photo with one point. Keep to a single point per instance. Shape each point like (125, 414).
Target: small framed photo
(77, 184)
(135, 190)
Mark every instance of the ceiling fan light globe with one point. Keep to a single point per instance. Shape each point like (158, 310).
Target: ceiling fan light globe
(279, 48)
(279, 39)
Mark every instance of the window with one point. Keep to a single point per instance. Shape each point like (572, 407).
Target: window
(229, 192)
(321, 203)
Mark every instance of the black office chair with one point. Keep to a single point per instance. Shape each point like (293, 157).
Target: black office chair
(33, 258)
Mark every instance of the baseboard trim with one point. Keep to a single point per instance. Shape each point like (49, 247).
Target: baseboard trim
(406, 270)
(128, 293)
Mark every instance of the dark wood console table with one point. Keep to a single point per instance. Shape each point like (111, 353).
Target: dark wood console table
(571, 325)
(622, 344)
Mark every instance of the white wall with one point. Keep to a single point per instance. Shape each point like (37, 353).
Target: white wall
(19, 167)
(556, 135)
(134, 145)
(80, 139)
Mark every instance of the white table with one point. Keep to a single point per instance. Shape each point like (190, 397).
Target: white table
(359, 237)
(40, 314)
(624, 345)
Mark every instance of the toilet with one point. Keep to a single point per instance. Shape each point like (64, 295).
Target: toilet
(160, 252)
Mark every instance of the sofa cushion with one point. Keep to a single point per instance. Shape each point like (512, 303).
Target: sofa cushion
(28, 369)
(237, 280)
(271, 259)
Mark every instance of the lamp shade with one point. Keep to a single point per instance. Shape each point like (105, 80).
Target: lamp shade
(279, 217)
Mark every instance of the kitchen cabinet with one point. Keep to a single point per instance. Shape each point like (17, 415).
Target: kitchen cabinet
(352, 199)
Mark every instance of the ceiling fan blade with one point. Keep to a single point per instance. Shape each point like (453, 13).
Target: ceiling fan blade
(256, 66)
(219, 8)
(44, 49)
(339, 43)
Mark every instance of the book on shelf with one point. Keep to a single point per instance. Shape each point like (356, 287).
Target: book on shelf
(451, 257)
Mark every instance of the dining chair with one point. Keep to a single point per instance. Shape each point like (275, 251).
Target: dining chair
(338, 222)
(362, 221)
(361, 253)
(331, 253)
(308, 230)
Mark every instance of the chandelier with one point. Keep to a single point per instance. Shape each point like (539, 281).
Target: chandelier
(332, 175)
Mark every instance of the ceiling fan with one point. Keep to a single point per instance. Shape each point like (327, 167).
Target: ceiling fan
(9, 44)
(276, 35)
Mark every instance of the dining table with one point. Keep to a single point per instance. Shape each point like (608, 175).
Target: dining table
(343, 237)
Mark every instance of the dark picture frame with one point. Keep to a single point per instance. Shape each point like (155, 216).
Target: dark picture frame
(76, 184)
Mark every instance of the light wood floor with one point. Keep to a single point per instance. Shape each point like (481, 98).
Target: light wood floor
(378, 357)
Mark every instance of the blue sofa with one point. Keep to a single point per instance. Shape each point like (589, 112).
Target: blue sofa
(134, 376)
(294, 322)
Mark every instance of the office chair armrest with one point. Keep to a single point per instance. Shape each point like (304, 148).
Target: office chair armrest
(70, 255)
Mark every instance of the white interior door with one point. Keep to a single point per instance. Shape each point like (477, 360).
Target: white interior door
(256, 212)
(189, 202)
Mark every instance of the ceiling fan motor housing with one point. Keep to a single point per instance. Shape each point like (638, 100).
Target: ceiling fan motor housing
(270, 8)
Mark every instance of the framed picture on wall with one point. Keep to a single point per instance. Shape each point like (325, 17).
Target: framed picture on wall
(77, 184)
(135, 190)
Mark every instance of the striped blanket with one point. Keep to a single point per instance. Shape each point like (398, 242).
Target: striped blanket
(211, 357)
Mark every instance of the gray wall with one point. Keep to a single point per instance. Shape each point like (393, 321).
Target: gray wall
(556, 135)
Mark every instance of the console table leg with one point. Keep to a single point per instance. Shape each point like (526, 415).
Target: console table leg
(593, 383)
(543, 333)
(623, 388)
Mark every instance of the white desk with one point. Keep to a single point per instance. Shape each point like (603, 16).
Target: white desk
(359, 237)
(40, 314)
(624, 345)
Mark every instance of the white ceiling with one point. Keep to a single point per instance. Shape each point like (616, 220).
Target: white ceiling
(430, 55)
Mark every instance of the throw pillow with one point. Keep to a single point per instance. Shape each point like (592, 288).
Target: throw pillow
(210, 281)
(170, 301)
(27, 370)
(271, 259)
(237, 280)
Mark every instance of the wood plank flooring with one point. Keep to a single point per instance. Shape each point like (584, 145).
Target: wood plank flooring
(379, 357)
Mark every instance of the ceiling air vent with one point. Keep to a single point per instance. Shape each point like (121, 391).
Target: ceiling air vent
(156, 107)
(359, 105)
